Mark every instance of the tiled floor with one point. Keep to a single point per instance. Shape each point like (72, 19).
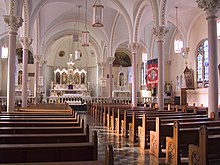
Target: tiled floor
(124, 152)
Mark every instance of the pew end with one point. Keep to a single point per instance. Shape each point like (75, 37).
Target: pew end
(193, 154)
(109, 155)
(172, 146)
(155, 147)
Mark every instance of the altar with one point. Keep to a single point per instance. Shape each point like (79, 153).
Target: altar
(70, 81)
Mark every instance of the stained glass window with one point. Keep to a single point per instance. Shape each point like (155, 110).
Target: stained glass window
(202, 65)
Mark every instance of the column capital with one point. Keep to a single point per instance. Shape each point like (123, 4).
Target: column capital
(42, 62)
(37, 57)
(13, 22)
(210, 6)
(111, 59)
(160, 32)
(25, 42)
(134, 46)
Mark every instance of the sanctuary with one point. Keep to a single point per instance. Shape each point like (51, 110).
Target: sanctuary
(70, 81)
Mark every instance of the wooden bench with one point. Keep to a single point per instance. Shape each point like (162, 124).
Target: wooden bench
(113, 114)
(208, 149)
(109, 160)
(41, 119)
(131, 123)
(45, 138)
(195, 109)
(39, 130)
(128, 115)
(149, 123)
(108, 109)
(45, 123)
(182, 137)
(38, 112)
(53, 152)
(164, 128)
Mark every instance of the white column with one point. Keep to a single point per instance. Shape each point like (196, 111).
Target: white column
(160, 33)
(211, 8)
(133, 47)
(43, 73)
(13, 22)
(101, 79)
(36, 61)
(25, 42)
(110, 60)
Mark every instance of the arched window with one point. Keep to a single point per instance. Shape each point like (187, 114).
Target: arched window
(202, 65)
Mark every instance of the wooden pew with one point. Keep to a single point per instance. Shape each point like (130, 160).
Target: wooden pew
(40, 119)
(207, 152)
(128, 120)
(113, 114)
(108, 112)
(128, 115)
(182, 137)
(149, 123)
(109, 160)
(61, 112)
(45, 138)
(53, 152)
(164, 128)
(39, 124)
(195, 109)
(38, 130)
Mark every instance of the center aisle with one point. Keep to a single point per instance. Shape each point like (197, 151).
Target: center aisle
(124, 153)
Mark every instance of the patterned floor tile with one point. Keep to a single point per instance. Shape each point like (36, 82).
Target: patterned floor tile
(124, 153)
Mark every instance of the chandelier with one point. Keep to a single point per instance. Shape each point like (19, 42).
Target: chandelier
(77, 51)
(85, 33)
(97, 20)
(178, 43)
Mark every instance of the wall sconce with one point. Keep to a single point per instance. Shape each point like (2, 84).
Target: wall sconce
(184, 52)
(97, 14)
(77, 54)
(4, 52)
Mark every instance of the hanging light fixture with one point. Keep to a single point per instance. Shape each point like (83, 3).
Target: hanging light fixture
(77, 51)
(85, 33)
(4, 53)
(178, 43)
(97, 14)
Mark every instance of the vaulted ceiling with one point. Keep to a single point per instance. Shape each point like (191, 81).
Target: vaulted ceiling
(57, 19)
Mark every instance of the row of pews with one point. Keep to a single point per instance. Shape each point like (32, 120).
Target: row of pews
(48, 134)
(179, 134)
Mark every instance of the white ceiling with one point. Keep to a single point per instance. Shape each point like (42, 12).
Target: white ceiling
(58, 17)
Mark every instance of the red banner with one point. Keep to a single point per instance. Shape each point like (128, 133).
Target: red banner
(152, 73)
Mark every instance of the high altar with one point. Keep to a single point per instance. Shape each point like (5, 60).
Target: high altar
(69, 81)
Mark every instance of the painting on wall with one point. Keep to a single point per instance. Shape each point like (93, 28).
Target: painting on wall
(19, 53)
(121, 59)
(189, 78)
